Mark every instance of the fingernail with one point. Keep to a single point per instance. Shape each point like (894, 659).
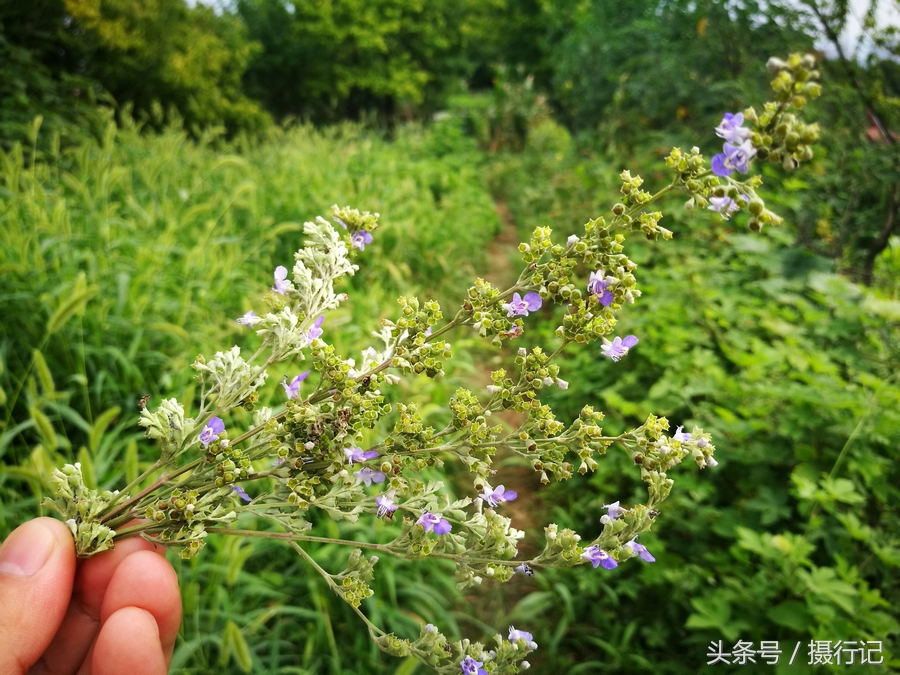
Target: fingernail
(27, 549)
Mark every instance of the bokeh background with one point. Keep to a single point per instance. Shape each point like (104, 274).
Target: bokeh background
(157, 159)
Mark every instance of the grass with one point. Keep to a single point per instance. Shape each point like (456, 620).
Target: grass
(122, 259)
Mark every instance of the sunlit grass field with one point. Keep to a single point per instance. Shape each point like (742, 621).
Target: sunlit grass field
(122, 259)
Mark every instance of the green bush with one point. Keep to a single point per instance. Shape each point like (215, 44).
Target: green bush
(793, 370)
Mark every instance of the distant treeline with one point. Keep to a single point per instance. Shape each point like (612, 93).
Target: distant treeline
(384, 60)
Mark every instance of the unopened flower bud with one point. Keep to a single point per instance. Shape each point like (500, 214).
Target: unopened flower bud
(775, 65)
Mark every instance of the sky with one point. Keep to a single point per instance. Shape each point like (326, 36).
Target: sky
(887, 15)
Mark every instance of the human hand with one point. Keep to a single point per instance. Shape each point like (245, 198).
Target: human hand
(115, 613)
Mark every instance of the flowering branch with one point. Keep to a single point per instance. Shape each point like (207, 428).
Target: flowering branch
(312, 454)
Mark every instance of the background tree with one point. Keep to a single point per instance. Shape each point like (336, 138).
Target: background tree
(340, 59)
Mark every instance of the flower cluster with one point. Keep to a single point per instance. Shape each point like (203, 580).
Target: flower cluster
(335, 444)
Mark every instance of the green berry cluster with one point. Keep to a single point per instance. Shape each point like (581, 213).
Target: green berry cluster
(231, 463)
(352, 583)
(561, 547)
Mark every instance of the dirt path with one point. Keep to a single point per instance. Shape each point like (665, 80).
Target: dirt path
(512, 471)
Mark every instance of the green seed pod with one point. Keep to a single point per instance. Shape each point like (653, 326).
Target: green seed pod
(791, 141)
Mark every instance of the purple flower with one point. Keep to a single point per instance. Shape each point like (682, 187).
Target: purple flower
(316, 330)
(240, 493)
(249, 319)
(280, 284)
(618, 347)
(293, 389)
(432, 521)
(597, 556)
(498, 495)
(521, 306)
(522, 635)
(598, 287)
(369, 476)
(572, 240)
(723, 205)
(733, 157)
(641, 550)
(339, 222)
(385, 504)
(614, 510)
(524, 569)
(211, 431)
(355, 454)
(470, 666)
(360, 239)
(680, 435)
(731, 128)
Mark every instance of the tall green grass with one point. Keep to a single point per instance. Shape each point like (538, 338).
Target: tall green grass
(120, 260)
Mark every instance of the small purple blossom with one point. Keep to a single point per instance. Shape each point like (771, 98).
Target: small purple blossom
(733, 157)
(598, 286)
(618, 347)
(731, 128)
(470, 666)
(723, 205)
(369, 476)
(249, 319)
(280, 284)
(339, 222)
(316, 329)
(360, 239)
(572, 240)
(241, 493)
(597, 556)
(710, 461)
(522, 635)
(614, 510)
(211, 431)
(355, 454)
(521, 306)
(641, 550)
(524, 569)
(386, 505)
(498, 495)
(432, 521)
(680, 435)
(293, 389)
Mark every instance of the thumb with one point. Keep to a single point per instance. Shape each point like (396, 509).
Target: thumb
(37, 569)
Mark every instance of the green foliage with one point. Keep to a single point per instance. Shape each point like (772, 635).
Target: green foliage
(61, 56)
(32, 97)
(163, 51)
(123, 259)
(792, 537)
(327, 61)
